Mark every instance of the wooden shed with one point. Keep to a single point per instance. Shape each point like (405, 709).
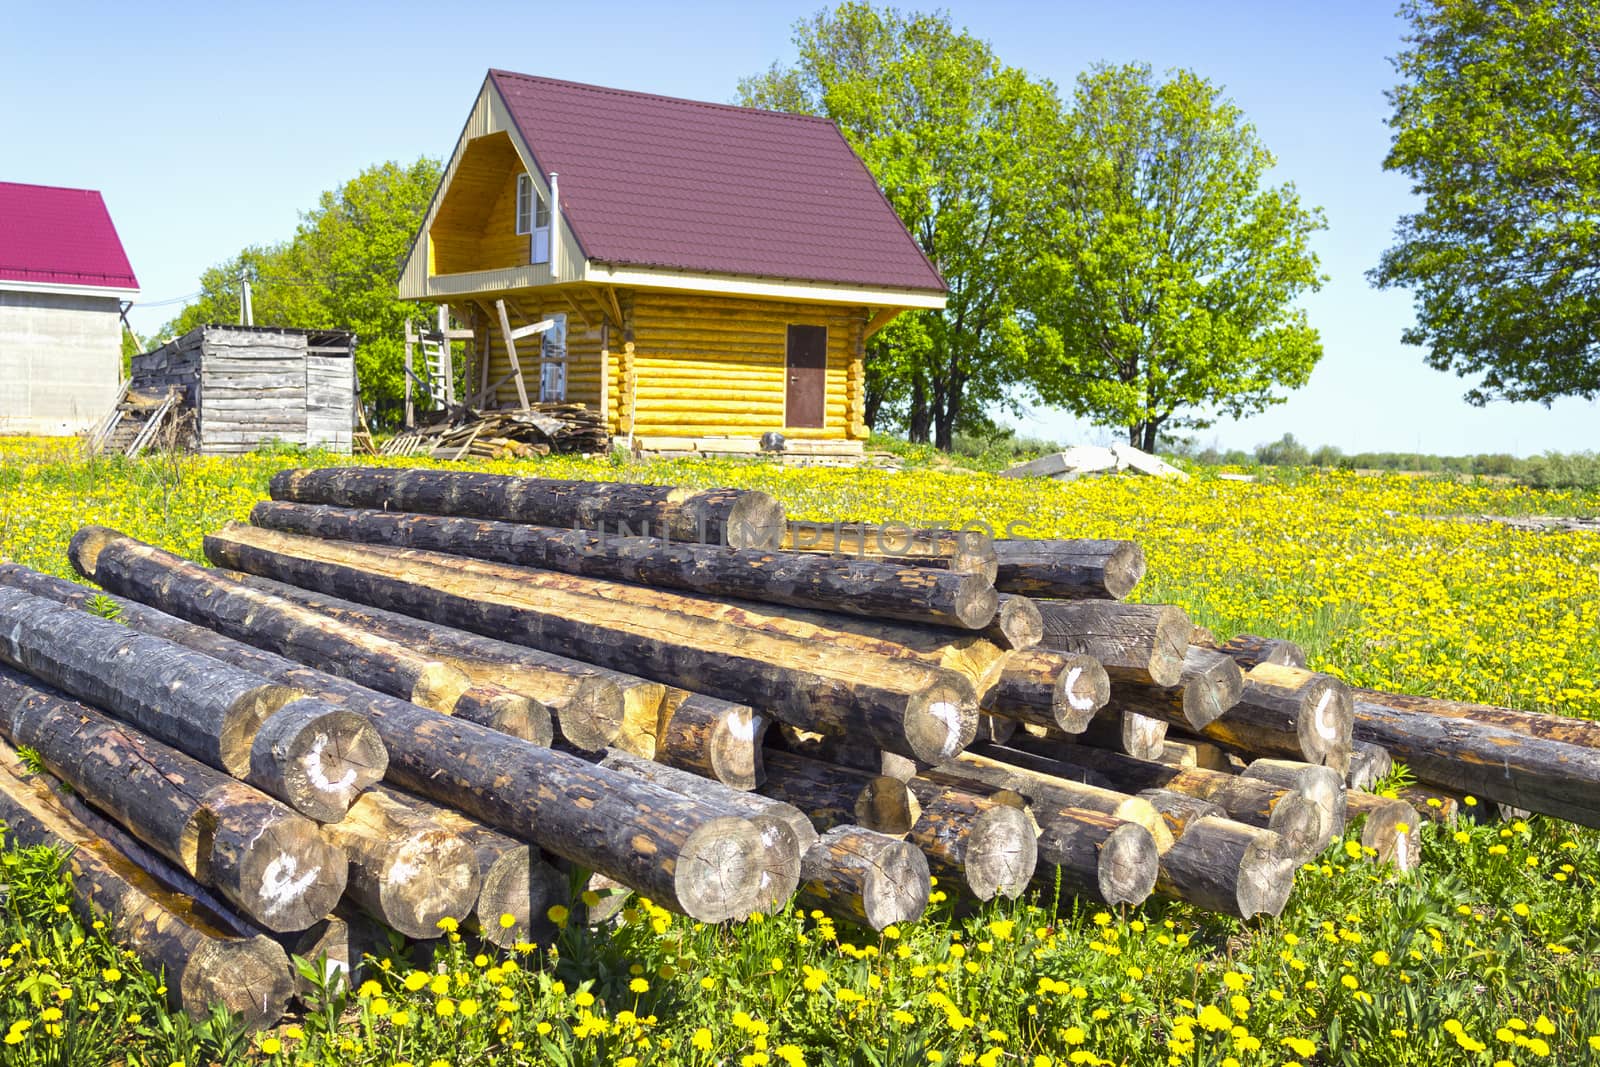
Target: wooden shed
(250, 385)
(702, 274)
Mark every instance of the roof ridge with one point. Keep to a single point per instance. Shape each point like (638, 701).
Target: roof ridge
(681, 100)
(53, 188)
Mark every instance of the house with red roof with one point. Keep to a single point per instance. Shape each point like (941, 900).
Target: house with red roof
(63, 278)
(702, 274)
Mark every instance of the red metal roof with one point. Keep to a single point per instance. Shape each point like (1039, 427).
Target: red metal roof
(60, 236)
(653, 181)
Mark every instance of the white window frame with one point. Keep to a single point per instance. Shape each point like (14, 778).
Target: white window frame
(525, 211)
(553, 360)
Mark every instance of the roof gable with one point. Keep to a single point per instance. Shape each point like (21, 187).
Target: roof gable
(55, 236)
(657, 182)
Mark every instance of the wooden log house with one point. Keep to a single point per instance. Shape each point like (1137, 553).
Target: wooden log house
(701, 274)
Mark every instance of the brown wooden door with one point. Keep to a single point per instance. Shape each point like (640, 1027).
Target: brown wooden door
(806, 398)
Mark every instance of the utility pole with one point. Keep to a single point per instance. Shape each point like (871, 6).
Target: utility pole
(246, 312)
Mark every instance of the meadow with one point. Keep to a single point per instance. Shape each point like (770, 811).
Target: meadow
(1486, 955)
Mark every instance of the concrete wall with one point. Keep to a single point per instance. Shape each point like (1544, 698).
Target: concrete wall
(60, 357)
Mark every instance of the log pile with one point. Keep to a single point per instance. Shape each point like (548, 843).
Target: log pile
(538, 430)
(401, 697)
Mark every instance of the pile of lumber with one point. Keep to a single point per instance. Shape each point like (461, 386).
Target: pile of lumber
(404, 696)
(537, 430)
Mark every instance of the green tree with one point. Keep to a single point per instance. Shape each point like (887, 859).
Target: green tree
(339, 271)
(1174, 270)
(953, 137)
(1497, 123)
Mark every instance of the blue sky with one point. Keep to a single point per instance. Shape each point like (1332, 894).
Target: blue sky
(210, 126)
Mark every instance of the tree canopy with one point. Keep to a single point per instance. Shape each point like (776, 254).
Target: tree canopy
(1174, 271)
(1497, 123)
(338, 271)
(953, 136)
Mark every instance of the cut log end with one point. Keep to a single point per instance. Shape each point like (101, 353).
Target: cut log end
(510, 713)
(1017, 623)
(1084, 689)
(317, 758)
(439, 686)
(1231, 868)
(1390, 828)
(781, 852)
(426, 877)
(976, 603)
(940, 723)
(1001, 852)
(516, 892)
(756, 520)
(1324, 728)
(84, 549)
(718, 871)
(1129, 864)
(251, 977)
(1301, 826)
(290, 877)
(1124, 569)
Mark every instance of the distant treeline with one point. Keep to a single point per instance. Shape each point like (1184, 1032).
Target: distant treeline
(1553, 470)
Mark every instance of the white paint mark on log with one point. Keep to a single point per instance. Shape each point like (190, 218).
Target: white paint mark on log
(950, 715)
(1325, 726)
(742, 725)
(312, 762)
(282, 886)
(1079, 701)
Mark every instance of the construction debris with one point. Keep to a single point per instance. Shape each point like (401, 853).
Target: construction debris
(1092, 459)
(533, 697)
(537, 430)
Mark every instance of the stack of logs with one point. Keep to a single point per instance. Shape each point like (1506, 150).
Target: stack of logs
(401, 697)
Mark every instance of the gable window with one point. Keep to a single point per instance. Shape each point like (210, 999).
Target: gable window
(533, 219)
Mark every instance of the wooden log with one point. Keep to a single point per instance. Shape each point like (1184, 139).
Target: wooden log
(1436, 804)
(1545, 726)
(900, 704)
(1323, 785)
(408, 869)
(1142, 643)
(960, 551)
(863, 877)
(1183, 752)
(121, 564)
(204, 965)
(1180, 810)
(843, 751)
(1250, 651)
(1128, 732)
(1017, 623)
(210, 710)
(1097, 856)
(1290, 713)
(266, 860)
(593, 705)
(786, 833)
(1368, 764)
(1208, 687)
(835, 796)
(797, 579)
(339, 944)
(1228, 867)
(1048, 793)
(714, 738)
(317, 758)
(739, 518)
(983, 846)
(1391, 828)
(994, 730)
(1069, 569)
(1298, 819)
(1060, 690)
(685, 855)
(1489, 762)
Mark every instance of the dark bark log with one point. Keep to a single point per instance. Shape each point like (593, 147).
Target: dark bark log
(1389, 827)
(835, 796)
(1180, 810)
(1546, 727)
(714, 738)
(591, 703)
(1368, 764)
(866, 878)
(1048, 793)
(993, 730)
(1070, 569)
(832, 748)
(1298, 819)
(1488, 762)
(737, 517)
(203, 965)
(1209, 686)
(407, 868)
(1127, 732)
(1250, 651)
(1289, 713)
(1228, 867)
(1322, 785)
(1202, 754)
(1134, 642)
(959, 551)
(786, 833)
(269, 862)
(797, 579)
(983, 846)
(1060, 690)
(902, 705)
(1096, 856)
(279, 625)
(317, 758)
(683, 854)
(208, 709)
(1017, 623)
